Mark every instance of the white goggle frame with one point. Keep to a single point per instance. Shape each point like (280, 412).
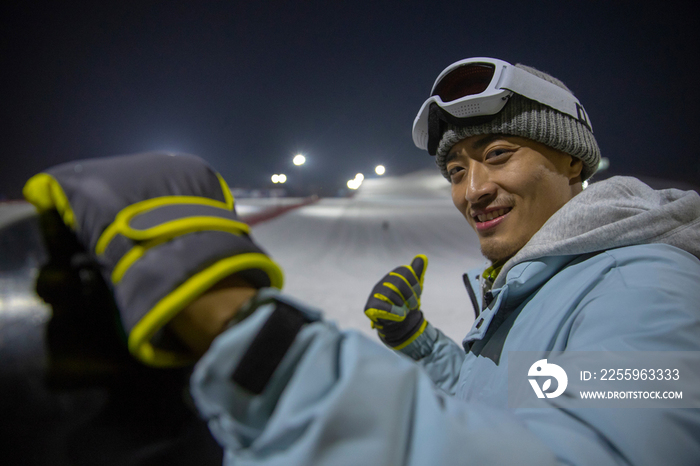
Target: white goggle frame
(507, 80)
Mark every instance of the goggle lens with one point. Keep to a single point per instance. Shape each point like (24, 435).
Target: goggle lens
(466, 80)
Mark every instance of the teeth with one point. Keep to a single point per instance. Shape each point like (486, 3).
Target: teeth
(491, 215)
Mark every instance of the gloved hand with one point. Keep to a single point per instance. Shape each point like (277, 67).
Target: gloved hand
(163, 230)
(394, 309)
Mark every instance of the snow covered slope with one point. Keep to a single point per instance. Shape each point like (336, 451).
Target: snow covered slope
(334, 251)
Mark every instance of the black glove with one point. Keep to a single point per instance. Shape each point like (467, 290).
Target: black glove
(394, 305)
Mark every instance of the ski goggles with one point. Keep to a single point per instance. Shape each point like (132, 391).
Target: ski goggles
(474, 90)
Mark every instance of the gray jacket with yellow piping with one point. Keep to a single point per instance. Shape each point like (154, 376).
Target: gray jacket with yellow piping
(163, 228)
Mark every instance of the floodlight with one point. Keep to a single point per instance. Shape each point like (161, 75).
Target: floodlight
(354, 184)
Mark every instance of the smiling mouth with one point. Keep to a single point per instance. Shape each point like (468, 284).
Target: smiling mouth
(494, 214)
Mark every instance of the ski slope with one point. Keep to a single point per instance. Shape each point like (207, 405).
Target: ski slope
(334, 251)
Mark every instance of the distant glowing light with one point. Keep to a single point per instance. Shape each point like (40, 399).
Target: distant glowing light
(379, 170)
(279, 178)
(283, 178)
(584, 185)
(355, 183)
(299, 159)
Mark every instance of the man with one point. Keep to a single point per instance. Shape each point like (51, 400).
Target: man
(613, 267)
(610, 268)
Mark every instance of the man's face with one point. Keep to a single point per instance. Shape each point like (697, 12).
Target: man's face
(507, 187)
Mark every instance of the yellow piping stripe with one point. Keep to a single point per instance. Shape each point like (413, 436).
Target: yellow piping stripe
(392, 287)
(375, 314)
(134, 254)
(410, 287)
(167, 231)
(414, 275)
(140, 337)
(122, 219)
(425, 267)
(45, 193)
(127, 261)
(422, 277)
(415, 335)
(182, 226)
(228, 197)
(381, 297)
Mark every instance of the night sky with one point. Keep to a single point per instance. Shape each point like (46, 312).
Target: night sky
(247, 85)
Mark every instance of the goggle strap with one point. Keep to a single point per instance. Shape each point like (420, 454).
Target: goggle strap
(528, 85)
(436, 127)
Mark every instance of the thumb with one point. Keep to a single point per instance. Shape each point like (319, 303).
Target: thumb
(419, 264)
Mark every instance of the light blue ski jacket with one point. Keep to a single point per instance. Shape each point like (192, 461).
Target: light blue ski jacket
(616, 269)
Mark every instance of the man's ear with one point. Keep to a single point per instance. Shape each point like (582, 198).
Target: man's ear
(574, 170)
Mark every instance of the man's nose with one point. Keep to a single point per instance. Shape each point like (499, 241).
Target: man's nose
(480, 186)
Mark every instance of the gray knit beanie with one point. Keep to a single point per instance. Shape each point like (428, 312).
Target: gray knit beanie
(535, 121)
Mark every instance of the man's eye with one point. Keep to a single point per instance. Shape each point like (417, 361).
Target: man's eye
(455, 173)
(497, 153)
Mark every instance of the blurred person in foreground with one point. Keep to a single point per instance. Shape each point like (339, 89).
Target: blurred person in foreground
(613, 267)
(127, 241)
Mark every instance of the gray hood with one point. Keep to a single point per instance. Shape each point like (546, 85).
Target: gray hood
(620, 211)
